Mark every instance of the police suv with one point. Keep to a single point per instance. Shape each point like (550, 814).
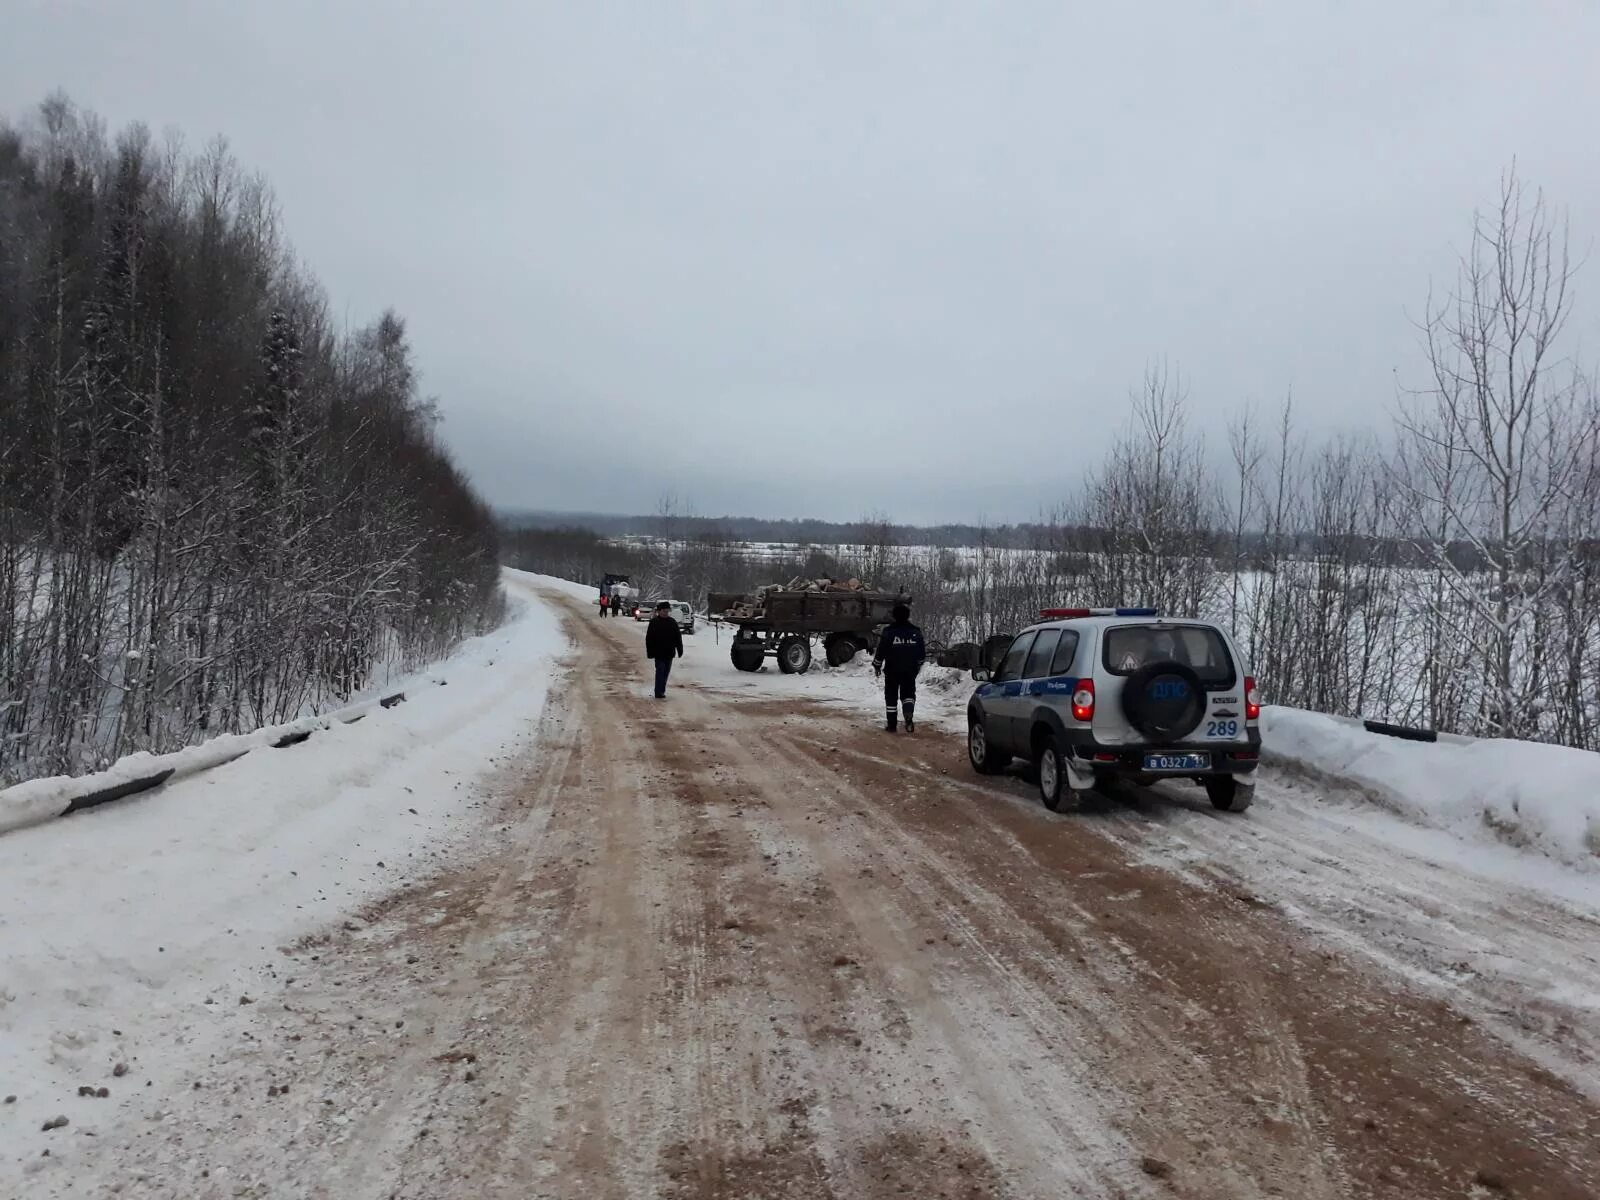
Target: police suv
(1091, 694)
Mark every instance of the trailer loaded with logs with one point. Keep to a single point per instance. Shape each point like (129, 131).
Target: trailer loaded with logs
(784, 622)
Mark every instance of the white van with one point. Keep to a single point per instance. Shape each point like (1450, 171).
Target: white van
(682, 614)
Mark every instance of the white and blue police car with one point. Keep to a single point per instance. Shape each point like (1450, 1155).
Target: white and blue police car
(1092, 694)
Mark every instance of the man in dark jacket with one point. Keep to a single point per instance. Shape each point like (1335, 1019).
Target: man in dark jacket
(663, 641)
(899, 658)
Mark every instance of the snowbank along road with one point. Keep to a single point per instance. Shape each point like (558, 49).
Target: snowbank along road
(741, 945)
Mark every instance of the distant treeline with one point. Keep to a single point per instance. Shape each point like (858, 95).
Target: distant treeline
(808, 538)
(805, 531)
(687, 568)
(217, 507)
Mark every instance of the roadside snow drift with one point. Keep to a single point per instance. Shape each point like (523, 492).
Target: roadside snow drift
(126, 932)
(38, 800)
(1527, 794)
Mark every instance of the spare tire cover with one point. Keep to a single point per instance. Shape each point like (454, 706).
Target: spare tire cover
(1164, 700)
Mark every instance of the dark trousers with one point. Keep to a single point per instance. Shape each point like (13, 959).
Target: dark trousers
(663, 669)
(901, 690)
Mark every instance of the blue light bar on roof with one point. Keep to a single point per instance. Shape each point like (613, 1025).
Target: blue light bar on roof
(1138, 612)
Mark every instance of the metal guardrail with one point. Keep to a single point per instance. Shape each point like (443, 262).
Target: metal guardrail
(91, 791)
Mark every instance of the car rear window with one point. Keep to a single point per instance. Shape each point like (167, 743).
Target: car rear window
(1129, 647)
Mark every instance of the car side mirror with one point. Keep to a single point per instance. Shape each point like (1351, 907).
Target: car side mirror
(981, 674)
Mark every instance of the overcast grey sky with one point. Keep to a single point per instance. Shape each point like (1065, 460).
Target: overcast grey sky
(821, 258)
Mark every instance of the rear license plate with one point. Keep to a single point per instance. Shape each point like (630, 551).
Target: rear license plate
(1177, 762)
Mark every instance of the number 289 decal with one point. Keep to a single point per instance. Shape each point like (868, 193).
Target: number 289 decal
(1222, 729)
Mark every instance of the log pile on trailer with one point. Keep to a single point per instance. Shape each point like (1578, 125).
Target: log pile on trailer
(782, 621)
(753, 604)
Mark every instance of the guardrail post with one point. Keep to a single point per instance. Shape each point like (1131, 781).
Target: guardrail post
(117, 791)
(1403, 732)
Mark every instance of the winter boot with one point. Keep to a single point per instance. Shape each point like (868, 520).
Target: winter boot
(911, 724)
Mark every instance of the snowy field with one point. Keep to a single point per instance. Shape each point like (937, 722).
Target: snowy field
(844, 551)
(131, 935)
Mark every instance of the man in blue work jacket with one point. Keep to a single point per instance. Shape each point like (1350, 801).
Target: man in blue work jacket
(899, 658)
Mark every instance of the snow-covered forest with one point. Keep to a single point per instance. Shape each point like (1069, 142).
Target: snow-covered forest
(218, 508)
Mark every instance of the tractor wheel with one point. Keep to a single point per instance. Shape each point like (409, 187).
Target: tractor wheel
(794, 655)
(840, 649)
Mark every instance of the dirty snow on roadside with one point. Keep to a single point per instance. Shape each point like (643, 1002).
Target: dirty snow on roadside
(130, 934)
(1508, 938)
(1468, 868)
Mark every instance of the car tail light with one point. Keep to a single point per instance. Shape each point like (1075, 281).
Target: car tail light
(1083, 701)
(1252, 700)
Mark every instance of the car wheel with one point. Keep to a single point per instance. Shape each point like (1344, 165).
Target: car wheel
(985, 759)
(1054, 789)
(1228, 794)
(794, 656)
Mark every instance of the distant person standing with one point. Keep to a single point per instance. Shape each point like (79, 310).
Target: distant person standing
(604, 603)
(663, 642)
(901, 651)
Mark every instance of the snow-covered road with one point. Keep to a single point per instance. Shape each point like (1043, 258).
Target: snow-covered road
(743, 944)
(132, 935)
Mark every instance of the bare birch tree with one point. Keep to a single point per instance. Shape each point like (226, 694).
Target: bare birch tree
(1153, 504)
(1499, 444)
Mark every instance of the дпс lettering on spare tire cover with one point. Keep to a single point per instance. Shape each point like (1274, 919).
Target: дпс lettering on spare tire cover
(1164, 700)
